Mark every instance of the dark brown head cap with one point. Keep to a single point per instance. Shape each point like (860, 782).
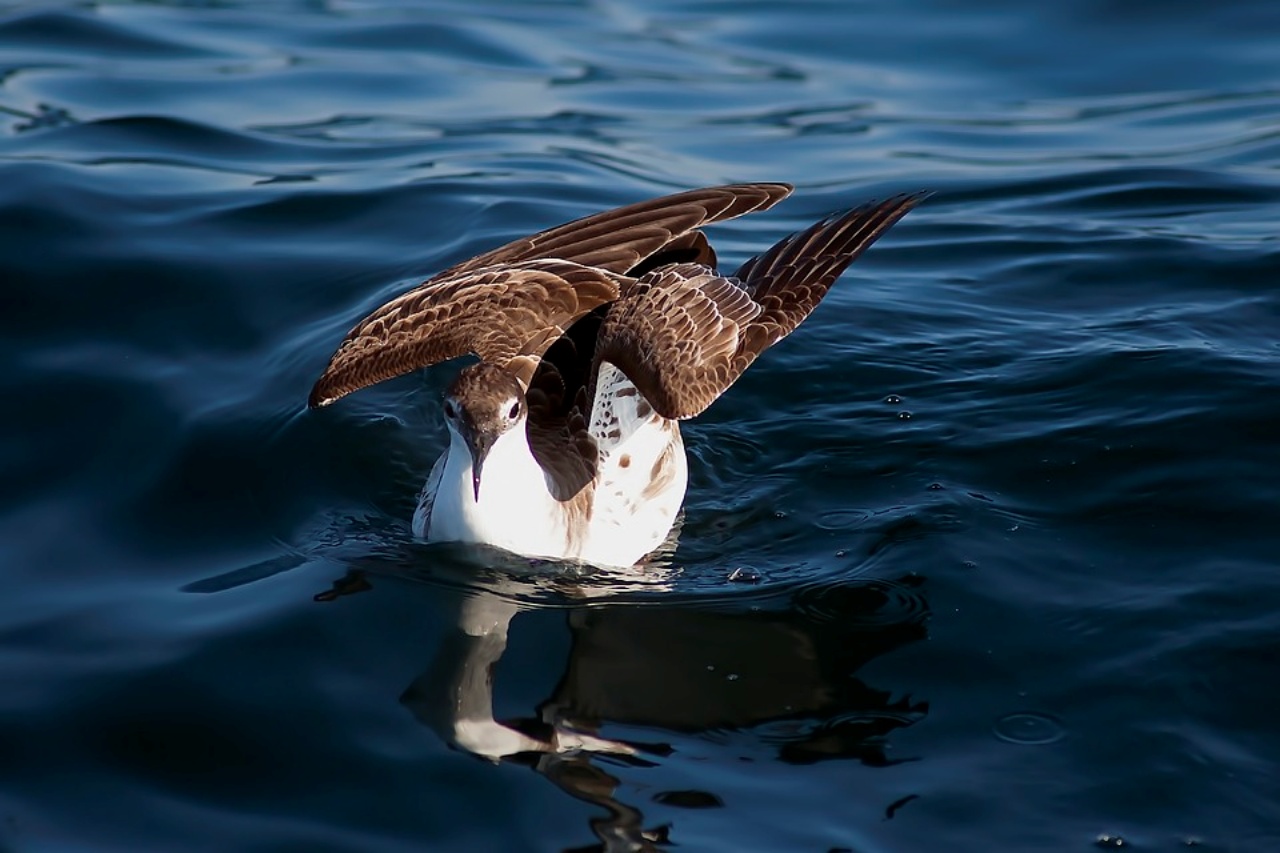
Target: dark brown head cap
(484, 398)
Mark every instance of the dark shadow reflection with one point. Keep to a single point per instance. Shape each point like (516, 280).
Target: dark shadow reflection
(777, 666)
(650, 663)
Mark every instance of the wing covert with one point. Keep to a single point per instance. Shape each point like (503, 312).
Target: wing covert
(509, 304)
(683, 334)
(507, 314)
(620, 239)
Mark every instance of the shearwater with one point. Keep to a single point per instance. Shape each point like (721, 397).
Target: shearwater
(595, 339)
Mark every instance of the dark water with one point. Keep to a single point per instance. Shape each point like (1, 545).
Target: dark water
(986, 557)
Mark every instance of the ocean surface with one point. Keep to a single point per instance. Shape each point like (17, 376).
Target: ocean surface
(985, 557)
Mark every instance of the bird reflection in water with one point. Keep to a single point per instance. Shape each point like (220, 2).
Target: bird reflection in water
(778, 667)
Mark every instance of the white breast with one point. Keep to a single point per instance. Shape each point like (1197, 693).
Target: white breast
(636, 498)
(516, 510)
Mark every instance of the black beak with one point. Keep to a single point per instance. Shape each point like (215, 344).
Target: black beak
(478, 443)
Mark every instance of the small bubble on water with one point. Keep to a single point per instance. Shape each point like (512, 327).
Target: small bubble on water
(1110, 842)
(733, 676)
(893, 399)
(777, 513)
(935, 487)
(969, 564)
(1030, 728)
(711, 667)
(744, 575)
(904, 416)
(842, 553)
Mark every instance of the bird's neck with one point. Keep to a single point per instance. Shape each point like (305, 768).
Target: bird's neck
(509, 476)
(516, 510)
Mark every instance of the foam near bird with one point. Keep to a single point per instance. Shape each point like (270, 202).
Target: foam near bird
(595, 339)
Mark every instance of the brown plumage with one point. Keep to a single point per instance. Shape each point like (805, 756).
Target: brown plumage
(598, 336)
(620, 240)
(507, 314)
(508, 305)
(683, 334)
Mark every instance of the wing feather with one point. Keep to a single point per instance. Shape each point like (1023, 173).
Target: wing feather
(620, 239)
(684, 334)
(507, 313)
(508, 305)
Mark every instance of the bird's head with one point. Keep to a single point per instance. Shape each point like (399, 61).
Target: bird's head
(482, 404)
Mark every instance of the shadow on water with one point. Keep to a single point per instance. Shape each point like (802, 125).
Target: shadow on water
(653, 665)
(766, 673)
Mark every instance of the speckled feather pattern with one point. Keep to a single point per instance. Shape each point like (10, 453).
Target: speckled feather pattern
(509, 304)
(684, 334)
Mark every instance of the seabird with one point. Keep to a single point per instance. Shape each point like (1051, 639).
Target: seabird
(595, 339)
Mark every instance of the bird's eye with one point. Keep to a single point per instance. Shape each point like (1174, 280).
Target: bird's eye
(450, 410)
(515, 411)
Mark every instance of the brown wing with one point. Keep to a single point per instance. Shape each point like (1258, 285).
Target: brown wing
(509, 304)
(684, 335)
(557, 427)
(561, 441)
(507, 314)
(619, 240)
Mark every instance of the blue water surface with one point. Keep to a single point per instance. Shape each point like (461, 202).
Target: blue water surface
(985, 557)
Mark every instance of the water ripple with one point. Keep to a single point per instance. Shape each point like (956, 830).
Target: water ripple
(214, 597)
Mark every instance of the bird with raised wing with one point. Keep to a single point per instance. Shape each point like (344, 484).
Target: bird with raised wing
(595, 339)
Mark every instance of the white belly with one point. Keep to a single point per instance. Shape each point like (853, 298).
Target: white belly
(637, 503)
(637, 496)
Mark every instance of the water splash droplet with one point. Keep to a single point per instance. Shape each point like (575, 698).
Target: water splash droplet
(1029, 727)
(866, 604)
(840, 519)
